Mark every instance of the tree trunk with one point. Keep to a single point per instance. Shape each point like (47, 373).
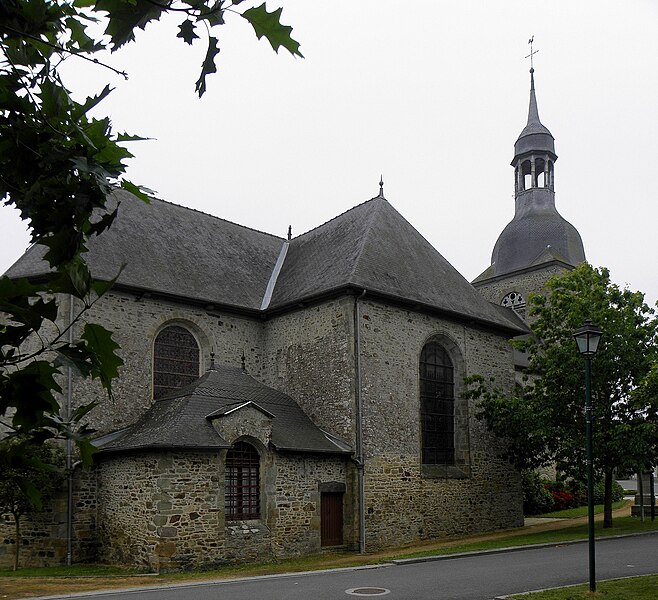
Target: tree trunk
(17, 542)
(607, 499)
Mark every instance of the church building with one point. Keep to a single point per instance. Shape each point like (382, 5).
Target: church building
(290, 396)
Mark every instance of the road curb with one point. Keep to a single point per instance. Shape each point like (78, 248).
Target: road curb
(435, 557)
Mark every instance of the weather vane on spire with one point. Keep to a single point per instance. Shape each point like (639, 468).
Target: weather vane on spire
(532, 53)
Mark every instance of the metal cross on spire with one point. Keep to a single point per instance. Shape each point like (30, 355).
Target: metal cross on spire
(532, 53)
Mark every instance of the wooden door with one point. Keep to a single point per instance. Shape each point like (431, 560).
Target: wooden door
(331, 519)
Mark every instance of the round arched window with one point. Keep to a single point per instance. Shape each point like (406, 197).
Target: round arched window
(437, 405)
(175, 360)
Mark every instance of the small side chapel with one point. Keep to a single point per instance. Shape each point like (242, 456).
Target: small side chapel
(289, 396)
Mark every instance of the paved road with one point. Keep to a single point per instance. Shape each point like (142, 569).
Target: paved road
(481, 577)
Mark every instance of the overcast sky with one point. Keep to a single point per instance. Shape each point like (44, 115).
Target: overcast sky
(430, 94)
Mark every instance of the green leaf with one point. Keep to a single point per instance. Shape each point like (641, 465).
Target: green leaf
(208, 65)
(268, 25)
(102, 287)
(100, 343)
(144, 194)
(126, 137)
(215, 16)
(187, 32)
(123, 17)
(92, 101)
(87, 450)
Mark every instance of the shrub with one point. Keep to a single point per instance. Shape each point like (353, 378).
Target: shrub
(536, 498)
(599, 489)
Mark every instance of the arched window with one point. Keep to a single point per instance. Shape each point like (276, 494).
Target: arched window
(514, 300)
(526, 173)
(437, 405)
(175, 360)
(242, 483)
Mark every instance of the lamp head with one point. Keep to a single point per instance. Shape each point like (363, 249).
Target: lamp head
(587, 338)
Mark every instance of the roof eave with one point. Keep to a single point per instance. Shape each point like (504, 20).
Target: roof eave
(477, 282)
(352, 289)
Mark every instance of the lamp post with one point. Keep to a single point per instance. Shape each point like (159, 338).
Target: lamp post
(587, 338)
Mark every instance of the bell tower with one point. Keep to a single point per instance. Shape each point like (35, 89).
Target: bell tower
(538, 243)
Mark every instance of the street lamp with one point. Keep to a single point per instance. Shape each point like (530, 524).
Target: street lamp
(587, 338)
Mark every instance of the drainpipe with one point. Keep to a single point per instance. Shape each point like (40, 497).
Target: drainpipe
(69, 448)
(360, 464)
(69, 514)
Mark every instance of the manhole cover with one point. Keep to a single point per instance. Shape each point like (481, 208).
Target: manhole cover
(368, 591)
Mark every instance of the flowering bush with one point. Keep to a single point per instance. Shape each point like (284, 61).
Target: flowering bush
(562, 500)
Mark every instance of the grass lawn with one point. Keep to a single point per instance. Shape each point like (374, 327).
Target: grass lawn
(581, 511)
(630, 588)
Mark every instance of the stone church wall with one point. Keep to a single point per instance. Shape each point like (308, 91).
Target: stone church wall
(135, 322)
(165, 510)
(161, 510)
(309, 355)
(405, 502)
(296, 516)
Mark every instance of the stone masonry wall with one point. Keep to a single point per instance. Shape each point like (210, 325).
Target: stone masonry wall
(523, 283)
(165, 510)
(161, 510)
(296, 516)
(135, 322)
(309, 355)
(44, 535)
(404, 503)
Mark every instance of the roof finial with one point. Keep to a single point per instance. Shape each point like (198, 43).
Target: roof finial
(381, 186)
(289, 232)
(531, 55)
(244, 362)
(212, 360)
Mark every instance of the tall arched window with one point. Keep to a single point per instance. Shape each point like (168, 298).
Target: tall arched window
(175, 360)
(437, 405)
(242, 483)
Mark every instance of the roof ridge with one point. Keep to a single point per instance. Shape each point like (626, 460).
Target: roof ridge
(334, 218)
(196, 210)
(368, 230)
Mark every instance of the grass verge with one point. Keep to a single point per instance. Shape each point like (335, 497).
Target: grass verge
(621, 526)
(630, 588)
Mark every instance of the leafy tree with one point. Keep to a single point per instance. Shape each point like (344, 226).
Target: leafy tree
(41, 469)
(543, 420)
(58, 165)
(645, 401)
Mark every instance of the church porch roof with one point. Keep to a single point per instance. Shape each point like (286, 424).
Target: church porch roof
(183, 419)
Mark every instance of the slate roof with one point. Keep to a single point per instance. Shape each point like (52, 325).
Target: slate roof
(537, 235)
(372, 247)
(184, 253)
(177, 251)
(183, 419)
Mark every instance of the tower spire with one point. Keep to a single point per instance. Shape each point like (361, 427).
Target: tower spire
(533, 111)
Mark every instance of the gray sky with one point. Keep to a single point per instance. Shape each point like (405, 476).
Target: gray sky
(431, 94)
